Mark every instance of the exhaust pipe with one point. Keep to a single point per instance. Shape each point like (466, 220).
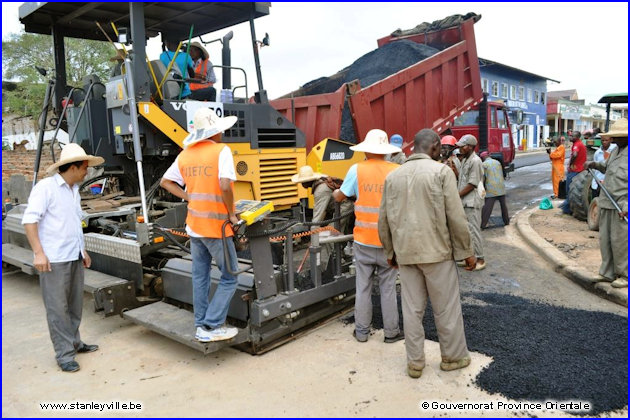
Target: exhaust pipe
(226, 58)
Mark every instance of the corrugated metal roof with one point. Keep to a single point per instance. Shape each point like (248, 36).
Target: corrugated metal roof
(486, 62)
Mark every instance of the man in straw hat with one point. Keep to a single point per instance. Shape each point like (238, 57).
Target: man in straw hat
(365, 182)
(119, 59)
(206, 168)
(423, 229)
(613, 230)
(470, 175)
(204, 72)
(52, 222)
(322, 187)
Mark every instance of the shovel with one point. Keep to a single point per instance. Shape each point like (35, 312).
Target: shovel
(612, 200)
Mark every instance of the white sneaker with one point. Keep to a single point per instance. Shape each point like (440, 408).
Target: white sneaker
(222, 333)
(203, 335)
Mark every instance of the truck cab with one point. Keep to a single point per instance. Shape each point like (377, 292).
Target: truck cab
(489, 123)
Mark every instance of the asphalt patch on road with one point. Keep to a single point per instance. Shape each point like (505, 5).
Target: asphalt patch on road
(543, 352)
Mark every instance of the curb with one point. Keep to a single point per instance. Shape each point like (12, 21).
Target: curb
(564, 265)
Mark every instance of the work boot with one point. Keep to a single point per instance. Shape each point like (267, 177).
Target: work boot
(600, 278)
(359, 338)
(619, 283)
(397, 337)
(414, 372)
(457, 364)
(70, 366)
(87, 348)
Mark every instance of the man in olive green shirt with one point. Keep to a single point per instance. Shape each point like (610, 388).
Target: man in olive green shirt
(613, 230)
(470, 175)
(423, 229)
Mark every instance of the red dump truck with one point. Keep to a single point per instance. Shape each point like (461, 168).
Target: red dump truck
(442, 92)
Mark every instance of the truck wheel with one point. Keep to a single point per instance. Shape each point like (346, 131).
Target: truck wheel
(593, 215)
(580, 195)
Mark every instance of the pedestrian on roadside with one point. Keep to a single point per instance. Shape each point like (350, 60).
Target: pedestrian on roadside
(52, 222)
(364, 181)
(601, 154)
(206, 168)
(557, 164)
(400, 157)
(420, 201)
(470, 176)
(613, 230)
(447, 154)
(495, 189)
(576, 165)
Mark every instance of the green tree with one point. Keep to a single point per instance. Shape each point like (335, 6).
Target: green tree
(23, 51)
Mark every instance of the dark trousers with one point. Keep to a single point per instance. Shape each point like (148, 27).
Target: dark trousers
(489, 206)
(62, 290)
(205, 94)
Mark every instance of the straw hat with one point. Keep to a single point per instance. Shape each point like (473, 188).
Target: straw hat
(306, 174)
(72, 152)
(120, 54)
(618, 129)
(376, 142)
(204, 52)
(206, 124)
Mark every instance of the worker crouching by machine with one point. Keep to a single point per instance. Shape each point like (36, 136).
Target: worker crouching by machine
(322, 187)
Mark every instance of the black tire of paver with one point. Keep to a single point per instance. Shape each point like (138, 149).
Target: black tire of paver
(580, 195)
(593, 215)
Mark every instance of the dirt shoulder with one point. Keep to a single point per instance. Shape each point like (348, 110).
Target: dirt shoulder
(570, 236)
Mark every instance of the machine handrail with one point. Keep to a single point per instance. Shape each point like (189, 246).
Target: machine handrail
(63, 113)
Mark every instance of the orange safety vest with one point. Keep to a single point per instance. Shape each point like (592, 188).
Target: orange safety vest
(371, 179)
(199, 166)
(202, 69)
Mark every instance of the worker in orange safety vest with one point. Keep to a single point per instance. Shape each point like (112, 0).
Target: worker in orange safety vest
(365, 181)
(206, 168)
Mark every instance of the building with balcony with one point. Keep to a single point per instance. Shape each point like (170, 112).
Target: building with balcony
(565, 111)
(525, 94)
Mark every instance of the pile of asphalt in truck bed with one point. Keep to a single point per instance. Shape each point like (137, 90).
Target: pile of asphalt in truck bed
(543, 352)
(368, 69)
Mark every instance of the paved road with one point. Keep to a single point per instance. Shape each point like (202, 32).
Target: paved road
(528, 159)
(325, 373)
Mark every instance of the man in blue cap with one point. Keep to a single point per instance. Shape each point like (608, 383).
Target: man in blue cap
(399, 158)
